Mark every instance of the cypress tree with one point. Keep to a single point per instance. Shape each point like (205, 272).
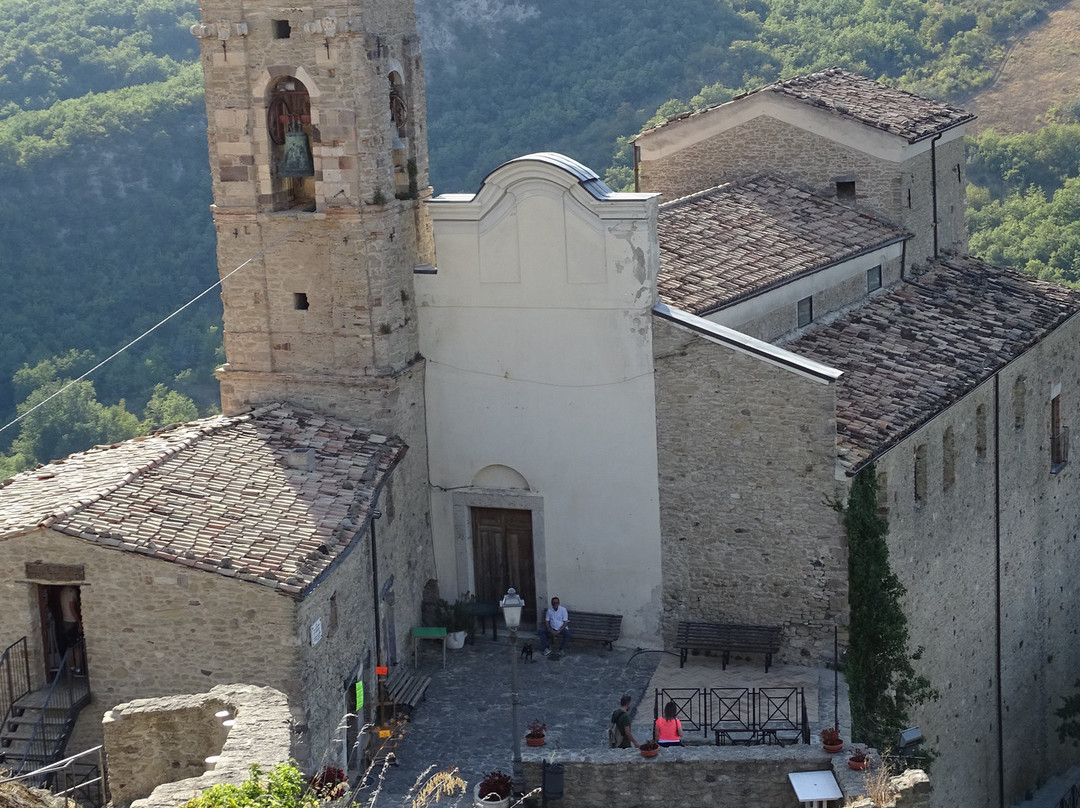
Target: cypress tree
(882, 683)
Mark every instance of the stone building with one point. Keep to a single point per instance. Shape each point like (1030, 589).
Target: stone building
(233, 549)
(951, 376)
(641, 403)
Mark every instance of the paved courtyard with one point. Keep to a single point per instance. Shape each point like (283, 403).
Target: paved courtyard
(465, 719)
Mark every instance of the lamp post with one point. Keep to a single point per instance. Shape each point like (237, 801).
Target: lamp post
(511, 608)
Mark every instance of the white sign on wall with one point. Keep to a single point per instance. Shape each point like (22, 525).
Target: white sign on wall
(316, 631)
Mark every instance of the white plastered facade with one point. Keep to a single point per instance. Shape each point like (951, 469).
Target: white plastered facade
(537, 328)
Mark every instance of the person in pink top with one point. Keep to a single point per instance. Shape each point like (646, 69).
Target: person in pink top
(668, 727)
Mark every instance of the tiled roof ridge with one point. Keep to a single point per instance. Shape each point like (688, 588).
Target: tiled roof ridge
(792, 87)
(206, 426)
(795, 85)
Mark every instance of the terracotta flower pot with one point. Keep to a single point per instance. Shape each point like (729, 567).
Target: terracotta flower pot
(858, 765)
(833, 748)
(538, 741)
(647, 752)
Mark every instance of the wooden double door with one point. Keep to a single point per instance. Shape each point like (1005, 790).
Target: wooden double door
(503, 557)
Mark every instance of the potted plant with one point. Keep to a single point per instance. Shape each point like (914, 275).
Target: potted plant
(494, 790)
(330, 783)
(831, 740)
(649, 749)
(535, 735)
(458, 619)
(858, 760)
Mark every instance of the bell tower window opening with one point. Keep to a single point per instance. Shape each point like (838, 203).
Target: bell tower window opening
(404, 179)
(282, 29)
(292, 165)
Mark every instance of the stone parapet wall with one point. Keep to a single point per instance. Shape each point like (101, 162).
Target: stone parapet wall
(716, 776)
(156, 748)
(746, 535)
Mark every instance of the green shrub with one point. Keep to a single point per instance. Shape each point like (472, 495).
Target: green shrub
(284, 787)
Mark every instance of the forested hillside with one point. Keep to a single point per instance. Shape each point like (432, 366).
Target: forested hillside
(105, 227)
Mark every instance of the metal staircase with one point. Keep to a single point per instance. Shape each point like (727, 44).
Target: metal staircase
(37, 723)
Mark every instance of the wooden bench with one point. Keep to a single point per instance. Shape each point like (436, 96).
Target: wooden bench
(406, 689)
(595, 626)
(727, 637)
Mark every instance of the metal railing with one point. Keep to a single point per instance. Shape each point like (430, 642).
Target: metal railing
(78, 777)
(63, 699)
(1071, 799)
(14, 675)
(740, 715)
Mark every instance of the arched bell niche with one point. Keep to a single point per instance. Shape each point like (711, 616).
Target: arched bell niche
(404, 178)
(292, 165)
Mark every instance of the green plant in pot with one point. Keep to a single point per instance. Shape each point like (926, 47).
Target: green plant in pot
(458, 618)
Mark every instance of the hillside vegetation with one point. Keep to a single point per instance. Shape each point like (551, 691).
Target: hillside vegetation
(105, 227)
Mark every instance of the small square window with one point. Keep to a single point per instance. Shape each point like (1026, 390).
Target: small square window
(845, 190)
(873, 278)
(282, 29)
(806, 311)
(300, 301)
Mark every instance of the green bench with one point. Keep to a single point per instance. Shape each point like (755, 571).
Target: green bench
(427, 633)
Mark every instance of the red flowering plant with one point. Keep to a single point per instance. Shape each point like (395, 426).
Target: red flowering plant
(330, 783)
(495, 786)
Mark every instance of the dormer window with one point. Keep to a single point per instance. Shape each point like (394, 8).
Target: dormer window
(873, 278)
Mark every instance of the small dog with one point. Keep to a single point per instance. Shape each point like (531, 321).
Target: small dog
(526, 652)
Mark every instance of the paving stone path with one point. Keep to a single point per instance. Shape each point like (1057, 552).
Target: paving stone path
(465, 719)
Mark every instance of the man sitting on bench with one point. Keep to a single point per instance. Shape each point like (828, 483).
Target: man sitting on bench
(556, 624)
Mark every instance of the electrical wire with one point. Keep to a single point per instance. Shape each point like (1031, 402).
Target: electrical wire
(150, 330)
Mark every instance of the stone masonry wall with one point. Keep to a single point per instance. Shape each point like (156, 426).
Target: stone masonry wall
(746, 453)
(902, 193)
(156, 748)
(344, 605)
(943, 547)
(153, 628)
(720, 777)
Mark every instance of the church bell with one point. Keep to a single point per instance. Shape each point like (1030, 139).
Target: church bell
(297, 161)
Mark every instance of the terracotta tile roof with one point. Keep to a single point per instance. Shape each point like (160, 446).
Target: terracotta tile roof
(728, 243)
(895, 111)
(850, 95)
(910, 352)
(230, 495)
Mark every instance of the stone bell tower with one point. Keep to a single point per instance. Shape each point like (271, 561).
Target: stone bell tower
(318, 148)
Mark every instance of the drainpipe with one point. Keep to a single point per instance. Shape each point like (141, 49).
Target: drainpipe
(997, 589)
(933, 187)
(375, 514)
(637, 164)
(903, 259)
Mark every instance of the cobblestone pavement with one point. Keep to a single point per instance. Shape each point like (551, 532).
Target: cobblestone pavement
(465, 719)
